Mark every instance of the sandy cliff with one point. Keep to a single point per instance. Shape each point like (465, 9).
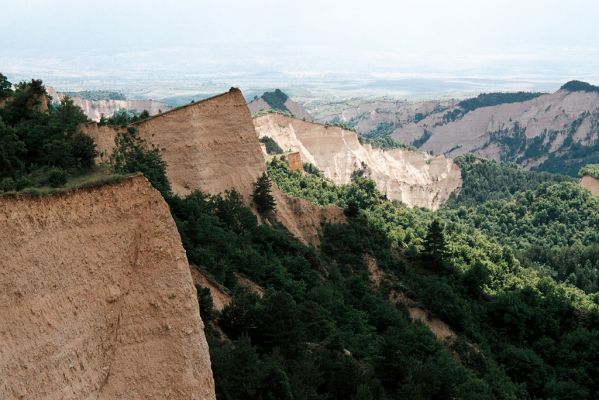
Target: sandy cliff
(412, 177)
(588, 182)
(96, 299)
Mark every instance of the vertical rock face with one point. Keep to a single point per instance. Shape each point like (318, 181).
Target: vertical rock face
(96, 299)
(210, 145)
(412, 177)
(588, 182)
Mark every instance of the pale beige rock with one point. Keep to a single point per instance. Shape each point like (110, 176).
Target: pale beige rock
(104, 136)
(96, 299)
(590, 183)
(94, 109)
(413, 177)
(209, 145)
(554, 113)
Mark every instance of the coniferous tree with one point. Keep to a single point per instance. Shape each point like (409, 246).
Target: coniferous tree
(262, 196)
(5, 87)
(435, 245)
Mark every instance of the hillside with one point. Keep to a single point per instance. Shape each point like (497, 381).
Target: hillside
(278, 101)
(412, 177)
(377, 116)
(97, 300)
(108, 105)
(556, 132)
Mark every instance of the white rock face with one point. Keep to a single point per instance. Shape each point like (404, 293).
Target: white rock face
(94, 109)
(413, 177)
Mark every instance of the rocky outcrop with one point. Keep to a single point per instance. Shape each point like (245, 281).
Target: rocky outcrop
(590, 183)
(96, 299)
(94, 109)
(412, 177)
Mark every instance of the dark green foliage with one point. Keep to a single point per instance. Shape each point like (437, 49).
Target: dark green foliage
(558, 214)
(307, 186)
(578, 86)
(276, 100)
(485, 180)
(262, 196)
(571, 161)
(311, 169)
(272, 147)
(36, 143)
(576, 264)
(493, 99)
(56, 177)
(435, 246)
(11, 151)
(97, 95)
(131, 154)
(207, 311)
(382, 130)
(124, 117)
(387, 142)
(590, 170)
(5, 87)
(422, 139)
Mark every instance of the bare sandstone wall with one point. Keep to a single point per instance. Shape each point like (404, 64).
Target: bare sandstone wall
(413, 177)
(588, 182)
(208, 145)
(96, 299)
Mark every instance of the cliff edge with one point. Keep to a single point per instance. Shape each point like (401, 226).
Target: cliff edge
(96, 299)
(413, 177)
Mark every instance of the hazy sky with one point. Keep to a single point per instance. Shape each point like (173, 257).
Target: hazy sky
(530, 40)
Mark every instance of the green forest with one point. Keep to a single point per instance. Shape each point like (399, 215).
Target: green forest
(510, 265)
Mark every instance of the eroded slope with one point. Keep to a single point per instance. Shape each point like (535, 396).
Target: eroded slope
(412, 177)
(528, 132)
(96, 299)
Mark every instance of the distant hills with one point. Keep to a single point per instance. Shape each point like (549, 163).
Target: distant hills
(555, 132)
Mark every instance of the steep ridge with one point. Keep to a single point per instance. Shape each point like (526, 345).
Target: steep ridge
(212, 146)
(94, 109)
(412, 177)
(96, 299)
(529, 132)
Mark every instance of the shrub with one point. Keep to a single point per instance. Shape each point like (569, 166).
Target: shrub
(56, 177)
